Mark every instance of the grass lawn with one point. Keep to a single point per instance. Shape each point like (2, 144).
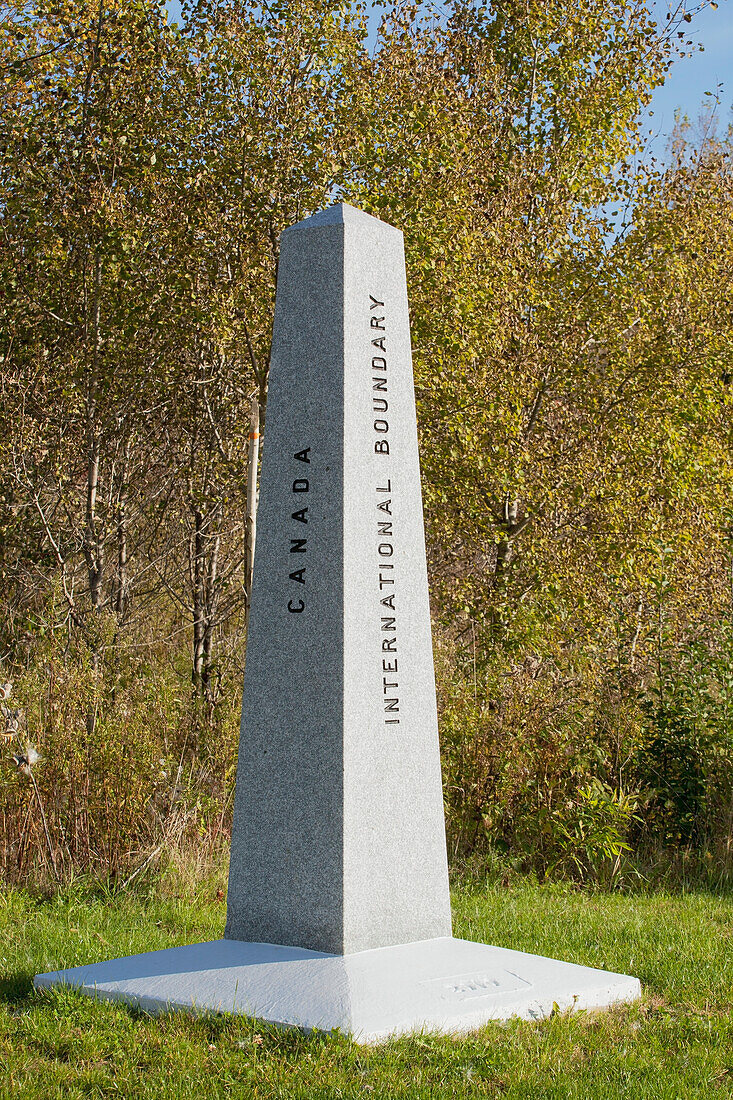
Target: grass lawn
(676, 1043)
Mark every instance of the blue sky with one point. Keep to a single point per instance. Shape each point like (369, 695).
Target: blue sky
(689, 78)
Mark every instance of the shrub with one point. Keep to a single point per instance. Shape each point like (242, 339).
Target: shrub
(129, 766)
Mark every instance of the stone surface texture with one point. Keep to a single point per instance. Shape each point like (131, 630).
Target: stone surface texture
(441, 984)
(338, 842)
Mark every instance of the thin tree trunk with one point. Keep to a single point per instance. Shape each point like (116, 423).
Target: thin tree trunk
(206, 547)
(251, 515)
(93, 550)
(512, 525)
(212, 599)
(93, 546)
(199, 612)
(121, 594)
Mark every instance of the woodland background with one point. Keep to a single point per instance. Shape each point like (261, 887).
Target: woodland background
(573, 342)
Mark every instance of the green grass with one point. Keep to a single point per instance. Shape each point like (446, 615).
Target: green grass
(676, 1043)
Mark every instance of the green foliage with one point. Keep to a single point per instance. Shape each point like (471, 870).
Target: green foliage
(573, 388)
(130, 771)
(672, 767)
(525, 779)
(685, 756)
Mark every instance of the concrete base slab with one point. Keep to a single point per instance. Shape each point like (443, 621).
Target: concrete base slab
(443, 984)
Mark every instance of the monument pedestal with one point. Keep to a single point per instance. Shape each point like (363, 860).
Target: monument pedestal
(338, 840)
(442, 984)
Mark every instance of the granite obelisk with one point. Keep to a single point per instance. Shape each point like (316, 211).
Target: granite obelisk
(338, 842)
(338, 910)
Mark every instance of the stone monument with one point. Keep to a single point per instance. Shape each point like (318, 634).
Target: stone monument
(338, 907)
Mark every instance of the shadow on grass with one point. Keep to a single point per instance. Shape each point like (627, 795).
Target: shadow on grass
(18, 993)
(17, 990)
